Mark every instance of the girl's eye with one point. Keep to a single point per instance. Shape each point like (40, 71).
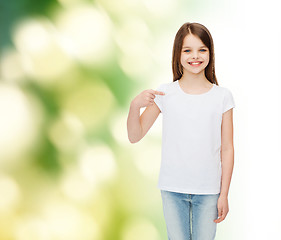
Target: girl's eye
(204, 50)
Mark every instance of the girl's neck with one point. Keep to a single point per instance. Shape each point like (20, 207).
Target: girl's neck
(194, 79)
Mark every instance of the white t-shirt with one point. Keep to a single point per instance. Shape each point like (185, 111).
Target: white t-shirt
(191, 138)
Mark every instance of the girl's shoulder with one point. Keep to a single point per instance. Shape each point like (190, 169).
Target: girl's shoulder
(221, 87)
(226, 95)
(223, 90)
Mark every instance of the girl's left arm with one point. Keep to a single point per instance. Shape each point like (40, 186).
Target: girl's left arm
(227, 151)
(227, 158)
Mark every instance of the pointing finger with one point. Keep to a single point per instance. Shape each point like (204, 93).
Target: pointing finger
(159, 93)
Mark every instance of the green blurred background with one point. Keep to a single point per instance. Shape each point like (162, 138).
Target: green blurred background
(69, 70)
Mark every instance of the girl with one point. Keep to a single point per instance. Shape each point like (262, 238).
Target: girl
(197, 138)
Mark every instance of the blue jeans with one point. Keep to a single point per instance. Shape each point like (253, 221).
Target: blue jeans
(190, 216)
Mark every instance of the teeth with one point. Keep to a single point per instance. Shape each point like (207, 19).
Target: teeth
(195, 63)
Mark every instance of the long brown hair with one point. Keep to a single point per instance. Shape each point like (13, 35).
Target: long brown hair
(201, 32)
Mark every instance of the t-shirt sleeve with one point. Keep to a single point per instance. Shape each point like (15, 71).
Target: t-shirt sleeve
(228, 101)
(159, 98)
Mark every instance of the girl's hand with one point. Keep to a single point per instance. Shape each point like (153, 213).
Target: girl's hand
(222, 209)
(145, 98)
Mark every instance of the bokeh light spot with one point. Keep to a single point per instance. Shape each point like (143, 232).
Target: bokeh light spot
(10, 192)
(89, 31)
(97, 164)
(19, 122)
(38, 42)
(66, 132)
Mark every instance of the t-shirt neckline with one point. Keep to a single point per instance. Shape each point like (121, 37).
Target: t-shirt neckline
(188, 94)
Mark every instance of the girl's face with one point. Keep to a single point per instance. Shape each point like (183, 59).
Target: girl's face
(194, 54)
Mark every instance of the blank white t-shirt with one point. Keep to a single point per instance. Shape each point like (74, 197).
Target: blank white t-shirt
(191, 138)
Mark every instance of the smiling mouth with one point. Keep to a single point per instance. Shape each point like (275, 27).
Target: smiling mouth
(195, 63)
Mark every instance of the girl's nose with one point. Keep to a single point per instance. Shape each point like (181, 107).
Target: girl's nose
(195, 55)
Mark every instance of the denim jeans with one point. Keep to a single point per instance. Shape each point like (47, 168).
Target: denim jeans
(190, 216)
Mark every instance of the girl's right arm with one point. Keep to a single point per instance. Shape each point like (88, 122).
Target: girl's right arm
(138, 126)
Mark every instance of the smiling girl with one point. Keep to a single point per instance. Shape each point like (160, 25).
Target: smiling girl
(197, 138)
